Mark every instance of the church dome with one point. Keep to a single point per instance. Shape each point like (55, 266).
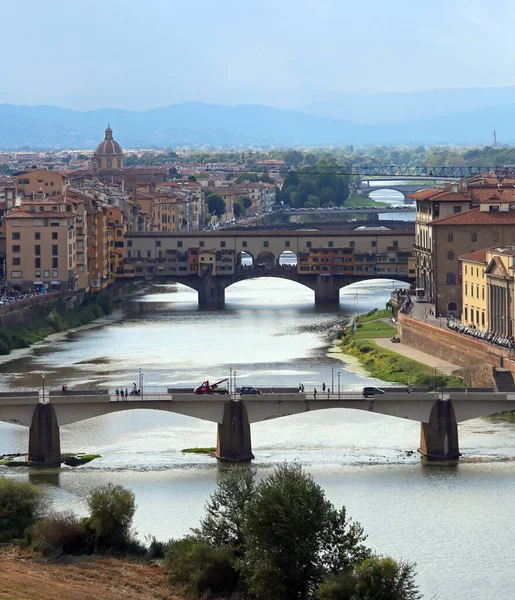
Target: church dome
(108, 147)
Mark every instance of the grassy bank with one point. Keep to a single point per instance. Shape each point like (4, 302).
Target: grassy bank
(45, 322)
(387, 364)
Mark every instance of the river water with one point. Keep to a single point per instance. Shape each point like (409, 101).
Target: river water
(455, 522)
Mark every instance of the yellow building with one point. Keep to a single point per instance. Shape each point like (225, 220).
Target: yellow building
(475, 311)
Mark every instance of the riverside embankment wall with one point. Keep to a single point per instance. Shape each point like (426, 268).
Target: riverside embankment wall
(25, 310)
(477, 358)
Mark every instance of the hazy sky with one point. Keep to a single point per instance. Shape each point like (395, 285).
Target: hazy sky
(142, 54)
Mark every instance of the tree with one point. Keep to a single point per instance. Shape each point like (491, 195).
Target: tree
(20, 505)
(246, 202)
(223, 523)
(237, 209)
(112, 509)
(294, 537)
(215, 204)
(313, 202)
(373, 579)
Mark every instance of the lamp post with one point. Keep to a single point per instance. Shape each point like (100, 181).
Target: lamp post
(234, 372)
(43, 381)
(441, 384)
(230, 382)
(140, 384)
(332, 379)
(338, 385)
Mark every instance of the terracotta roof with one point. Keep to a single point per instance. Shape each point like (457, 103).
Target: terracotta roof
(23, 214)
(437, 194)
(479, 256)
(476, 217)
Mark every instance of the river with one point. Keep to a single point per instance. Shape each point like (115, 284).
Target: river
(455, 522)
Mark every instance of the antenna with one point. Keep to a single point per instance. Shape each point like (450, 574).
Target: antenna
(495, 139)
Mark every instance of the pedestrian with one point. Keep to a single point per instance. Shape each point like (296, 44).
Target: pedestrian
(300, 387)
(323, 387)
(314, 393)
(117, 394)
(63, 389)
(126, 393)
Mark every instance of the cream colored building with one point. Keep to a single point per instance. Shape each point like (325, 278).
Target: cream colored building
(41, 247)
(40, 182)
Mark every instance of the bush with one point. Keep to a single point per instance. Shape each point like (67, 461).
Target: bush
(200, 568)
(58, 534)
(21, 504)
(112, 509)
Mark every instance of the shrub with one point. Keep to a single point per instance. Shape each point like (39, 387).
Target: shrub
(58, 534)
(20, 505)
(112, 509)
(200, 568)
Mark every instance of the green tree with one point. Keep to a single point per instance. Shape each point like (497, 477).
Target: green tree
(237, 209)
(313, 202)
(223, 523)
(374, 578)
(216, 204)
(294, 536)
(21, 504)
(112, 509)
(247, 178)
(246, 202)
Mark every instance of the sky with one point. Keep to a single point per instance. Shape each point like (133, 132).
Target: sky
(142, 54)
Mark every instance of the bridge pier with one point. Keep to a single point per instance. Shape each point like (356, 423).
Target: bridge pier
(44, 437)
(211, 292)
(439, 437)
(327, 291)
(233, 440)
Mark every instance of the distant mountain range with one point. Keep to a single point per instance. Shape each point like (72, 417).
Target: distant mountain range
(201, 124)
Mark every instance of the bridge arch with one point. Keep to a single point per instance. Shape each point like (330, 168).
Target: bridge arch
(400, 194)
(244, 259)
(265, 258)
(287, 258)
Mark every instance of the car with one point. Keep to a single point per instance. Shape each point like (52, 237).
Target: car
(247, 389)
(370, 392)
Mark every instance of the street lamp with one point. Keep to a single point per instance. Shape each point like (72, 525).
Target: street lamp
(234, 372)
(230, 382)
(43, 380)
(332, 379)
(338, 385)
(140, 383)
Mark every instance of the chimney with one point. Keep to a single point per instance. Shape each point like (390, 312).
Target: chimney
(455, 187)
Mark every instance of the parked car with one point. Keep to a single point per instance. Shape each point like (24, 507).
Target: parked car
(247, 389)
(370, 392)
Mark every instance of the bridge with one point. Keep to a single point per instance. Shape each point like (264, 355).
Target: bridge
(438, 413)
(210, 261)
(402, 188)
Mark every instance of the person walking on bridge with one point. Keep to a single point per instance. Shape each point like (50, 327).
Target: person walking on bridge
(323, 387)
(314, 393)
(117, 394)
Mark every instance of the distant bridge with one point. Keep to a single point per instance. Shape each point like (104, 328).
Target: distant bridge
(438, 413)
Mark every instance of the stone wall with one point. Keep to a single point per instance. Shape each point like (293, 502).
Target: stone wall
(25, 310)
(456, 348)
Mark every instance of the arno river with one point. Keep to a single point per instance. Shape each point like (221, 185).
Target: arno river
(455, 522)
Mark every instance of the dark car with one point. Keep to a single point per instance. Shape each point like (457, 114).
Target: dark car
(370, 392)
(246, 389)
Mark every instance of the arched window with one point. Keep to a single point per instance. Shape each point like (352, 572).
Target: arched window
(452, 306)
(119, 163)
(109, 163)
(451, 278)
(450, 255)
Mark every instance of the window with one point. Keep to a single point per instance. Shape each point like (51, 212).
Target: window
(109, 163)
(201, 244)
(466, 288)
(37, 274)
(373, 244)
(451, 278)
(37, 263)
(483, 294)
(37, 250)
(16, 235)
(452, 306)
(179, 244)
(55, 249)
(16, 248)
(449, 237)
(16, 262)
(483, 319)
(37, 222)
(465, 269)
(244, 244)
(15, 222)
(493, 208)
(265, 244)
(222, 244)
(37, 236)
(16, 274)
(466, 312)
(287, 244)
(474, 237)
(457, 209)
(148, 253)
(158, 243)
(55, 273)
(450, 255)
(308, 244)
(330, 244)
(352, 244)
(46, 273)
(129, 243)
(55, 263)
(54, 235)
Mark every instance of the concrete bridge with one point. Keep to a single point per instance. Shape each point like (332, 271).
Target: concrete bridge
(438, 413)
